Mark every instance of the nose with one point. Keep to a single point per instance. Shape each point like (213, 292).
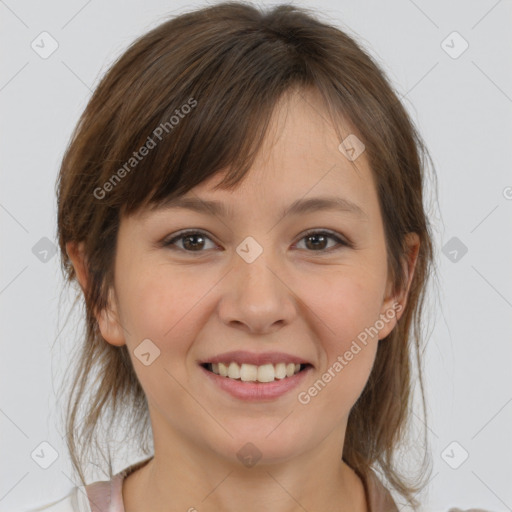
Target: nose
(256, 297)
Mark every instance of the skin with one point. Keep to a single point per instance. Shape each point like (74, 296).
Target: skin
(295, 298)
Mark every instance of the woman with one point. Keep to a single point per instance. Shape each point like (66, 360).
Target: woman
(241, 204)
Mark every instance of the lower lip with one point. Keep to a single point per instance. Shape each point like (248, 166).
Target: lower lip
(257, 391)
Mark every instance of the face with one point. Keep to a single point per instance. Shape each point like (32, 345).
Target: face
(310, 287)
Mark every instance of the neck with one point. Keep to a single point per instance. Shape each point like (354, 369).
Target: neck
(181, 478)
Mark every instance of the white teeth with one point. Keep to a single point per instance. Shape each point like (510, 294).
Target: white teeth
(280, 371)
(248, 372)
(266, 373)
(233, 371)
(223, 370)
(252, 373)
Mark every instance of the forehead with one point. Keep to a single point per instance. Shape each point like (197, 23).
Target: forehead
(300, 168)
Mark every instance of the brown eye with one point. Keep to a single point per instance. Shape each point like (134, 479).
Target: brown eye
(192, 241)
(317, 241)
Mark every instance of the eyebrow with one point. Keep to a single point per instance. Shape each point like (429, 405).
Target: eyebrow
(300, 206)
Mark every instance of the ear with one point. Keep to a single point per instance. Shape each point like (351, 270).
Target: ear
(394, 305)
(108, 318)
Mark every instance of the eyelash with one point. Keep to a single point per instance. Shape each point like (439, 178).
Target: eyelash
(330, 234)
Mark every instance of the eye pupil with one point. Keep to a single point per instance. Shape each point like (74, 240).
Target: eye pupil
(186, 238)
(316, 236)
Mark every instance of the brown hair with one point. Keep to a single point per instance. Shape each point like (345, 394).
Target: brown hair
(197, 92)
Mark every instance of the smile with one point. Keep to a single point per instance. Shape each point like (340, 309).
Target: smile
(243, 381)
(252, 373)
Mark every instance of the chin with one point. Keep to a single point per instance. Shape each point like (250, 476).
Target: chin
(261, 443)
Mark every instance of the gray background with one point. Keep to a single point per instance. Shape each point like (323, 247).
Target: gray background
(463, 109)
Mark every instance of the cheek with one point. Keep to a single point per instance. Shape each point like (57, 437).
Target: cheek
(347, 311)
(163, 306)
(348, 304)
(170, 307)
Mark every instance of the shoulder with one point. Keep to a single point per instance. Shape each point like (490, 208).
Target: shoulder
(75, 501)
(97, 496)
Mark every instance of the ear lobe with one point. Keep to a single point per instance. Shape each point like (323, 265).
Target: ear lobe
(398, 302)
(108, 319)
(109, 324)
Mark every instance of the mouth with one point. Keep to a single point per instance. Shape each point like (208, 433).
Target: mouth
(265, 373)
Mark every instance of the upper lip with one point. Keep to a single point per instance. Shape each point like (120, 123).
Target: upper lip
(257, 359)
